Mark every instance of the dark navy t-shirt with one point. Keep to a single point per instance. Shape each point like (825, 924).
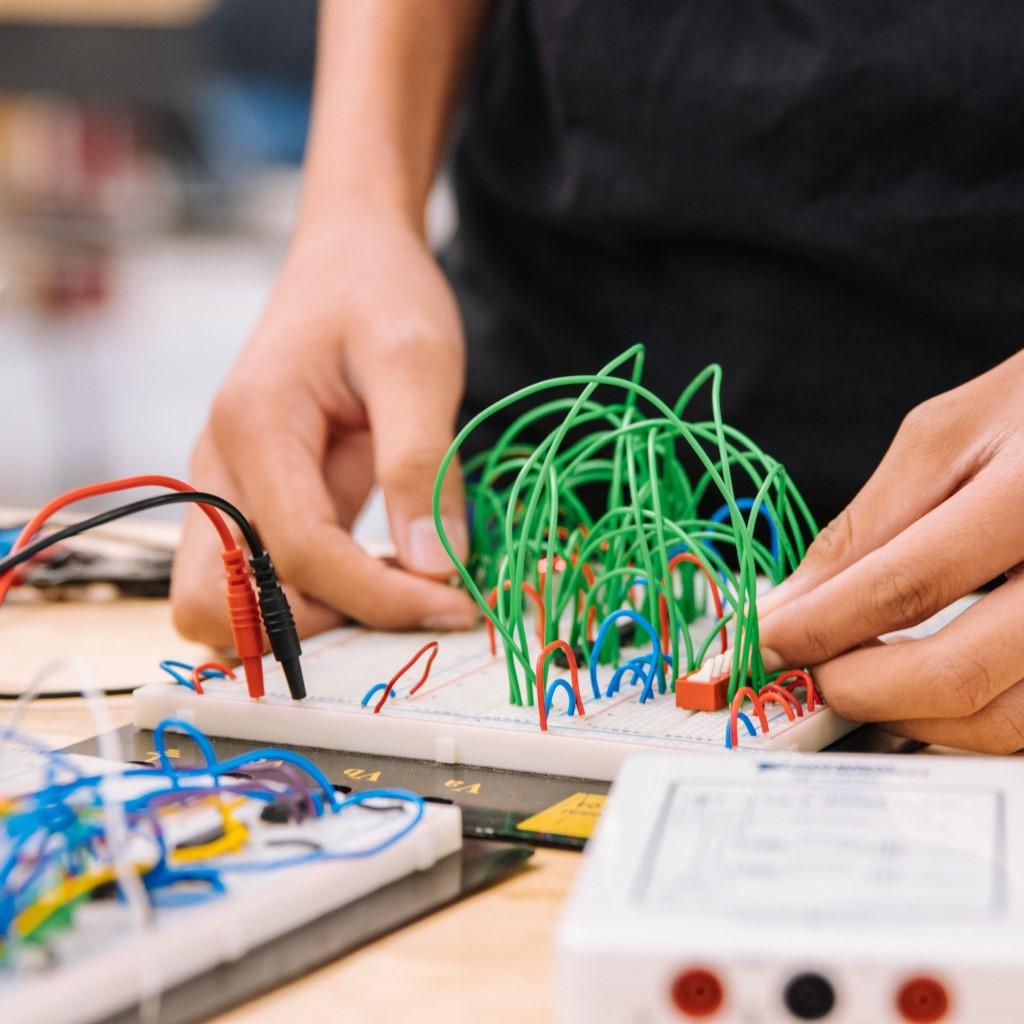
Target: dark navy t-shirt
(825, 196)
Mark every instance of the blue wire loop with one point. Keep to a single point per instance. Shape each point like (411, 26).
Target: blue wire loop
(214, 768)
(404, 795)
(640, 667)
(549, 696)
(373, 691)
(741, 717)
(198, 738)
(720, 515)
(643, 623)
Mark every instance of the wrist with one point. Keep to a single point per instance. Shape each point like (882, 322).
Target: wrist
(341, 237)
(361, 187)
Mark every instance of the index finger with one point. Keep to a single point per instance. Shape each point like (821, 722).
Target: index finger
(951, 674)
(286, 494)
(923, 569)
(197, 582)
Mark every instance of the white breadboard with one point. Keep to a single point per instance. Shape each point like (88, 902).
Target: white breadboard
(776, 888)
(104, 964)
(462, 714)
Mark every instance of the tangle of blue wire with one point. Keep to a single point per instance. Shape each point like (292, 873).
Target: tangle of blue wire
(50, 829)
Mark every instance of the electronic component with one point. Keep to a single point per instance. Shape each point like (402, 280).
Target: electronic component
(197, 844)
(460, 713)
(623, 535)
(780, 888)
(455, 709)
(707, 688)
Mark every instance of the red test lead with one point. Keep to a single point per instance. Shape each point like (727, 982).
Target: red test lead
(245, 611)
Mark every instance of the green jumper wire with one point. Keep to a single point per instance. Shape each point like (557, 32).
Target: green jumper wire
(660, 479)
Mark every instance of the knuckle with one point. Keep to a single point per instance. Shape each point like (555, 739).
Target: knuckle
(919, 421)
(1005, 734)
(410, 465)
(411, 338)
(228, 411)
(901, 598)
(924, 427)
(841, 699)
(296, 563)
(960, 679)
(817, 643)
(834, 541)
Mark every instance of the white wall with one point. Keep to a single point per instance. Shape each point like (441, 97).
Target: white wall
(125, 389)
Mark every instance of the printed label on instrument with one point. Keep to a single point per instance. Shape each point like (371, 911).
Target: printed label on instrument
(796, 847)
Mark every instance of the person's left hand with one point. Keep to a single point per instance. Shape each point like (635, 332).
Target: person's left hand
(942, 515)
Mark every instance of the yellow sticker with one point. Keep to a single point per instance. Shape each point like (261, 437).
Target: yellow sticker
(154, 758)
(574, 816)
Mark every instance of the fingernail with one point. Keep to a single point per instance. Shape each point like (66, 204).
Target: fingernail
(426, 553)
(772, 660)
(449, 622)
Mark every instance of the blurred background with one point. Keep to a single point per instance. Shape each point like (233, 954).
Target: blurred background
(149, 170)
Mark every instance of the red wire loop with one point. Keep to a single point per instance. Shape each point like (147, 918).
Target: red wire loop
(433, 647)
(209, 666)
(801, 678)
(772, 697)
(734, 711)
(541, 680)
(492, 603)
(785, 697)
(716, 598)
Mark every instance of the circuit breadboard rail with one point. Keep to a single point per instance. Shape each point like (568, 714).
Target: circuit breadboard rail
(461, 715)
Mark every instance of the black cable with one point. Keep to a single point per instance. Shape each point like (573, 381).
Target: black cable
(274, 608)
(121, 691)
(252, 538)
(279, 623)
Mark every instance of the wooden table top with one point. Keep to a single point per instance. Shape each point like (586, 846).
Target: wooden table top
(91, 12)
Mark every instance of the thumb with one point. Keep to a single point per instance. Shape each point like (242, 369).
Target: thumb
(411, 400)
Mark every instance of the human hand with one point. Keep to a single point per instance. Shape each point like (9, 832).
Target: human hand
(942, 515)
(354, 374)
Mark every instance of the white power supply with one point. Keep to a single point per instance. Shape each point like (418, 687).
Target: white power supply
(795, 887)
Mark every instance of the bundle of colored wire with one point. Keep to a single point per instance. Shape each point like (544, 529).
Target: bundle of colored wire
(178, 831)
(246, 610)
(627, 508)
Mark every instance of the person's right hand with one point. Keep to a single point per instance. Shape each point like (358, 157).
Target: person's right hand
(354, 374)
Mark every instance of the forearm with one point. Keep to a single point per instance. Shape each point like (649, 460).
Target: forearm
(389, 75)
